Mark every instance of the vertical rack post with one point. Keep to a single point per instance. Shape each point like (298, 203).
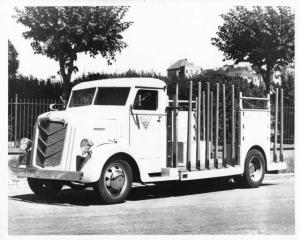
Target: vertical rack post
(16, 119)
(232, 127)
(211, 123)
(189, 133)
(175, 129)
(224, 127)
(275, 127)
(281, 124)
(203, 115)
(207, 127)
(198, 126)
(217, 127)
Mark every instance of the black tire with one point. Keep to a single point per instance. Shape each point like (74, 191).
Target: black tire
(44, 188)
(254, 170)
(115, 182)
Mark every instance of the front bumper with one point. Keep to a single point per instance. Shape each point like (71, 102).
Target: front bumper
(48, 174)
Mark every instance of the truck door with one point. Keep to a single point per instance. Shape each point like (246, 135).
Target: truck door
(148, 128)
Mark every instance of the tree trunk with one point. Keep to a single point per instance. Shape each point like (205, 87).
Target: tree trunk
(66, 79)
(268, 80)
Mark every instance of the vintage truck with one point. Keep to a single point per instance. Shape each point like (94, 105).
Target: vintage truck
(117, 131)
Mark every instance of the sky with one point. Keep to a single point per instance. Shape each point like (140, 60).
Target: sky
(160, 35)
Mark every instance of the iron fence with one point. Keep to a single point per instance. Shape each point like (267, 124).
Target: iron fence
(22, 115)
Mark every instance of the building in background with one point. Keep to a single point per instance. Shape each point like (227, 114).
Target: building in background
(182, 68)
(235, 72)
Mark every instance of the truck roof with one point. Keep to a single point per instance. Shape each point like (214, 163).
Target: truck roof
(122, 82)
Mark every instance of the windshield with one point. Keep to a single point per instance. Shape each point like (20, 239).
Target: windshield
(82, 97)
(112, 96)
(105, 96)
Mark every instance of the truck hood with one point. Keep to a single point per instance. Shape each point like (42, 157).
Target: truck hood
(85, 114)
(97, 123)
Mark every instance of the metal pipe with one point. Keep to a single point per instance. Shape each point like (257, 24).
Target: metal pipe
(217, 126)
(256, 98)
(175, 129)
(189, 133)
(281, 124)
(232, 127)
(275, 127)
(224, 127)
(198, 126)
(207, 126)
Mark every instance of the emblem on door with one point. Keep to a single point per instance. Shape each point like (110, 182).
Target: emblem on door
(145, 121)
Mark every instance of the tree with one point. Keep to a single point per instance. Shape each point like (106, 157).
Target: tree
(263, 37)
(13, 62)
(61, 33)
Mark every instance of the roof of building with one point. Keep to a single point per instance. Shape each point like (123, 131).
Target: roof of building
(180, 63)
(122, 82)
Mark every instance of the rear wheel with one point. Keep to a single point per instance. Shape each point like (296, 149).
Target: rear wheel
(254, 169)
(115, 182)
(44, 188)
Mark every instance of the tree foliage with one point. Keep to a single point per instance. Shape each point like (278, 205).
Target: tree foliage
(13, 62)
(61, 33)
(261, 36)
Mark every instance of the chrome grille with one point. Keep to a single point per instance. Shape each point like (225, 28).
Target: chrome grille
(50, 142)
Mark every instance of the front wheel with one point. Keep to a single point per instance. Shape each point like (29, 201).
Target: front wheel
(254, 169)
(44, 188)
(115, 182)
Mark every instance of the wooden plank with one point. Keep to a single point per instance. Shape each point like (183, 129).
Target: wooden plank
(198, 126)
(207, 126)
(217, 126)
(281, 124)
(211, 160)
(232, 127)
(16, 119)
(224, 128)
(189, 129)
(275, 127)
(175, 129)
(203, 116)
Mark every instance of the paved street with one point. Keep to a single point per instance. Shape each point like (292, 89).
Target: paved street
(191, 208)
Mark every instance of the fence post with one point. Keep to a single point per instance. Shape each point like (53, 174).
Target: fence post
(16, 118)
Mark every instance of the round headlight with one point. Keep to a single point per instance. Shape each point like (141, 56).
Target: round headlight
(25, 144)
(86, 145)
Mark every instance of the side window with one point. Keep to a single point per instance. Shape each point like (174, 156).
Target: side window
(146, 100)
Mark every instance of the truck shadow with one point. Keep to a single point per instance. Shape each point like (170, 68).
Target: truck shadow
(87, 197)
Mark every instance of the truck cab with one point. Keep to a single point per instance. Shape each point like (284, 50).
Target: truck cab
(117, 131)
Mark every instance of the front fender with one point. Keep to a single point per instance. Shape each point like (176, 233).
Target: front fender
(93, 167)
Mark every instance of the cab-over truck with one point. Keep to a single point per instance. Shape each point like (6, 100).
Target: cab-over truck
(117, 131)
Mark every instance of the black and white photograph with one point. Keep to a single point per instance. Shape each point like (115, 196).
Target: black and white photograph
(173, 118)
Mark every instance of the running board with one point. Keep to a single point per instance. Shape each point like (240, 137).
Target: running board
(211, 173)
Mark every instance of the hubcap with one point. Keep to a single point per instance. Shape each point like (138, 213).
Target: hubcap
(115, 180)
(255, 169)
